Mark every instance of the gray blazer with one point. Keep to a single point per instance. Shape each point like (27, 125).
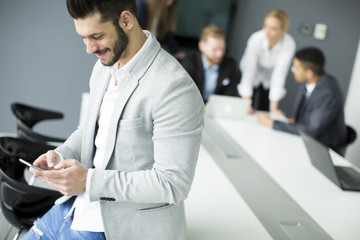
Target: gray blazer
(152, 149)
(323, 115)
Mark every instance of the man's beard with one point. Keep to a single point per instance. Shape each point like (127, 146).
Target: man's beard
(120, 45)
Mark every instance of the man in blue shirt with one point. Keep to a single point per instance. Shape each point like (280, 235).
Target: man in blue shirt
(212, 72)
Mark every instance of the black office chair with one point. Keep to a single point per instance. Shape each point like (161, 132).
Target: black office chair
(27, 116)
(21, 203)
(351, 135)
(350, 138)
(11, 149)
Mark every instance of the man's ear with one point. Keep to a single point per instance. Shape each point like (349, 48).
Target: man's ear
(126, 20)
(201, 45)
(309, 73)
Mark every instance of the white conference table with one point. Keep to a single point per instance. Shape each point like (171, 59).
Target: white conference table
(217, 208)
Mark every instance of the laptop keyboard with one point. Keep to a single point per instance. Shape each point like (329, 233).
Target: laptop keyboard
(349, 177)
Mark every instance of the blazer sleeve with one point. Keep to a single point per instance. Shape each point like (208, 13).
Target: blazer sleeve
(286, 127)
(193, 66)
(322, 108)
(190, 64)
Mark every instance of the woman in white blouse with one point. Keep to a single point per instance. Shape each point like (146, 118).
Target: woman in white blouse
(266, 62)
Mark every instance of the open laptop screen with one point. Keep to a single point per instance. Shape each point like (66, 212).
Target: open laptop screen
(221, 106)
(320, 157)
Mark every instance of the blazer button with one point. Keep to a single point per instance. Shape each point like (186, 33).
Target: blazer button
(107, 199)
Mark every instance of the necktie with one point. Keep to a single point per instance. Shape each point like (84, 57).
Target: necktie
(302, 105)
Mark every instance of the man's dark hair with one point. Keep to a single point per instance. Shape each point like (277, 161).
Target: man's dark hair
(311, 58)
(109, 10)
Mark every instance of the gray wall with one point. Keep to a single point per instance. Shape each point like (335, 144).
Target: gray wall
(43, 62)
(352, 113)
(341, 17)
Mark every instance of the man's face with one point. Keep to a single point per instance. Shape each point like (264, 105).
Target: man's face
(299, 72)
(213, 49)
(104, 39)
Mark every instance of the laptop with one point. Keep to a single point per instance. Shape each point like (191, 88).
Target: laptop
(347, 178)
(222, 106)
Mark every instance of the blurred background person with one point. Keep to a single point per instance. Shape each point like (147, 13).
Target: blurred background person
(160, 18)
(266, 62)
(318, 108)
(212, 71)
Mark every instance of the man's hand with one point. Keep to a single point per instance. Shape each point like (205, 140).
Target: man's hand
(68, 176)
(47, 160)
(274, 108)
(265, 119)
(278, 112)
(251, 110)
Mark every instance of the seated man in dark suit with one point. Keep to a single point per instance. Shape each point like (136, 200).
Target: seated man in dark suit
(212, 72)
(319, 107)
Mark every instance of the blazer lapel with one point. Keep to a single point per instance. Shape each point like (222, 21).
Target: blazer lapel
(118, 109)
(221, 77)
(298, 101)
(90, 129)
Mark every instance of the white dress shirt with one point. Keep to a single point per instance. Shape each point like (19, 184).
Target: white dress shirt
(260, 65)
(309, 89)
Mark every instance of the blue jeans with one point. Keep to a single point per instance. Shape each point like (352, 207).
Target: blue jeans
(54, 226)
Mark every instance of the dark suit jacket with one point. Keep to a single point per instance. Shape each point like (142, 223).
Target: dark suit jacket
(228, 79)
(323, 115)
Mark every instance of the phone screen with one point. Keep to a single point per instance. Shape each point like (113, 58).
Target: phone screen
(30, 165)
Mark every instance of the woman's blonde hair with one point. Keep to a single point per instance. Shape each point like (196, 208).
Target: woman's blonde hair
(282, 16)
(167, 16)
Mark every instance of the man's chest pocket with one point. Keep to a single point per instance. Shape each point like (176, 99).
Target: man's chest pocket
(129, 130)
(133, 144)
(128, 142)
(130, 123)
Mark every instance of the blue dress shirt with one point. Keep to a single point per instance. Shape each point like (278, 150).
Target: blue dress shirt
(211, 74)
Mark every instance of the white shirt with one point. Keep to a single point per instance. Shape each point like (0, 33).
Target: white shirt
(260, 65)
(309, 89)
(87, 215)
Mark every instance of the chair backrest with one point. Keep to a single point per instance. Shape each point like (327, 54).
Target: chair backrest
(11, 149)
(24, 132)
(351, 135)
(30, 115)
(21, 203)
(350, 138)
(27, 116)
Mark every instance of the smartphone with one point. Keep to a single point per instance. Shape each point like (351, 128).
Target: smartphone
(30, 165)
